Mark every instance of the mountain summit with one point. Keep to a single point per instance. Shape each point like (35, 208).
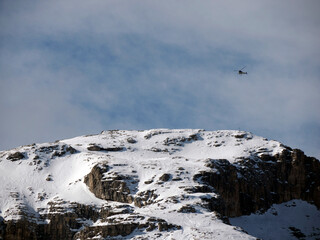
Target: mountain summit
(159, 184)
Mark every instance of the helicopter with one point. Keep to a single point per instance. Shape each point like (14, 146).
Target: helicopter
(240, 72)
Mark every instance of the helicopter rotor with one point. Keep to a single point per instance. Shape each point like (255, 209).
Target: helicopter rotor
(240, 69)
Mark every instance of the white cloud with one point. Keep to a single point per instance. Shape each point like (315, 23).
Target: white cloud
(86, 65)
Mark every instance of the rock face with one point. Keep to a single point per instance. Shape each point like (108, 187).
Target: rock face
(125, 228)
(54, 224)
(15, 156)
(156, 184)
(254, 185)
(60, 225)
(94, 147)
(113, 188)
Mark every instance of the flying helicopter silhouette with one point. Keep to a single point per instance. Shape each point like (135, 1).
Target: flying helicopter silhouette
(240, 72)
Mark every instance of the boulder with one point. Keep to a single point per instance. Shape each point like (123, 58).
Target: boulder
(165, 177)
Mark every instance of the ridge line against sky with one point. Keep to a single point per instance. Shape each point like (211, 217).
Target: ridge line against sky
(69, 68)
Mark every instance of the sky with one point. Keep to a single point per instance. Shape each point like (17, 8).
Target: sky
(75, 67)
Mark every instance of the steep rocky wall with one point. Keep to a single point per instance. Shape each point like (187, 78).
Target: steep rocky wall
(70, 226)
(60, 224)
(114, 188)
(255, 184)
(69, 222)
(125, 228)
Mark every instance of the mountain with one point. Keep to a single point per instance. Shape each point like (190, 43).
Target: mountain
(159, 184)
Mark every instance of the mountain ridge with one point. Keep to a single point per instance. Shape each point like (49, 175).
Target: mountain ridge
(159, 183)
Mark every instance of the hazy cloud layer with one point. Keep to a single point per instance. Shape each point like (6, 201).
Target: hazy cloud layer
(70, 68)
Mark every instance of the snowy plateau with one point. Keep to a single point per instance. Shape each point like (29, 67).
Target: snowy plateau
(159, 184)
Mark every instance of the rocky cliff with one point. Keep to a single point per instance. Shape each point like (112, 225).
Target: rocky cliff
(252, 185)
(152, 184)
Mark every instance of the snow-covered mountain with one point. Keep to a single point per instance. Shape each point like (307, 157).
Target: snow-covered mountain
(159, 184)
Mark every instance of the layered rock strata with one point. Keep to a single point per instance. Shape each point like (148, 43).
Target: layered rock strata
(255, 184)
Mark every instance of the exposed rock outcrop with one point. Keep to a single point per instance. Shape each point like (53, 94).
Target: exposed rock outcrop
(61, 224)
(94, 147)
(57, 150)
(252, 185)
(114, 188)
(16, 156)
(144, 198)
(53, 223)
(125, 227)
(165, 177)
(131, 140)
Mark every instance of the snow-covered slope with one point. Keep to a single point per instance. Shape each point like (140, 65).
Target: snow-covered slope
(291, 220)
(158, 169)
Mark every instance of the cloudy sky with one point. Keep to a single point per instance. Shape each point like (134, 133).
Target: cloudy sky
(70, 68)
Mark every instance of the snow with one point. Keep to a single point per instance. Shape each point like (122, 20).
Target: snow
(147, 159)
(281, 221)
